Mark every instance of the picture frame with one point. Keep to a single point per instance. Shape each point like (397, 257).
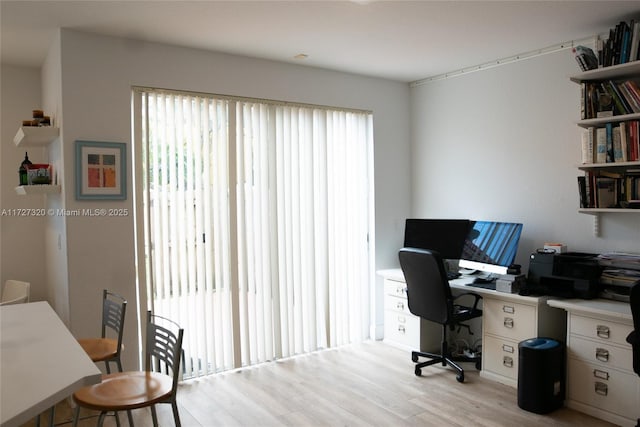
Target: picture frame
(101, 170)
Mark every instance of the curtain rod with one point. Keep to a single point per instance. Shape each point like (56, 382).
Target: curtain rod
(508, 60)
(249, 99)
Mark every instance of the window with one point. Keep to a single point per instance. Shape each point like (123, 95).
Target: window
(256, 219)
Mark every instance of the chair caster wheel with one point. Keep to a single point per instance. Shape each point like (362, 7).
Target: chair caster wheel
(414, 357)
(460, 377)
(418, 372)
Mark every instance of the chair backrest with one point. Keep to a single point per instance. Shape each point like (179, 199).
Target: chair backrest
(164, 347)
(428, 291)
(114, 308)
(15, 292)
(634, 303)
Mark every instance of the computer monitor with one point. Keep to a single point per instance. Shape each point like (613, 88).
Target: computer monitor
(491, 246)
(446, 236)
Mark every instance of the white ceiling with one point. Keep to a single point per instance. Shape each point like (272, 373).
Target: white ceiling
(399, 40)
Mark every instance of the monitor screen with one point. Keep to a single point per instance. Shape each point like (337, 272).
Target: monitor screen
(446, 236)
(491, 246)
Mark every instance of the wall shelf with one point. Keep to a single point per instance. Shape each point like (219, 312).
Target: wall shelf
(24, 190)
(33, 136)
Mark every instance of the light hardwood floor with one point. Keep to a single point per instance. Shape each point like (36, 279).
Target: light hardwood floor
(369, 384)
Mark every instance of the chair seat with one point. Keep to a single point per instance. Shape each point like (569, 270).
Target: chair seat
(122, 391)
(99, 349)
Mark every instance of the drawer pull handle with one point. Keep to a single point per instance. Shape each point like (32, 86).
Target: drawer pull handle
(507, 348)
(601, 388)
(507, 361)
(400, 290)
(400, 306)
(402, 319)
(508, 309)
(508, 322)
(401, 329)
(602, 354)
(603, 375)
(602, 331)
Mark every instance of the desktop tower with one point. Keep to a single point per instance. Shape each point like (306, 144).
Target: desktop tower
(541, 375)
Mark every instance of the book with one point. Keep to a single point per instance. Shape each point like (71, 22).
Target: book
(635, 42)
(586, 58)
(588, 145)
(616, 139)
(624, 146)
(601, 145)
(609, 132)
(582, 192)
(628, 97)
(618, 100)
(606, 192)
(605, 105)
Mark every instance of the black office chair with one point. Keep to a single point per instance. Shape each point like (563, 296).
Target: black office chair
(429, 297)
(634, 336)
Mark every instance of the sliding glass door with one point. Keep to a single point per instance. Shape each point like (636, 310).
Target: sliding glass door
(256, 219)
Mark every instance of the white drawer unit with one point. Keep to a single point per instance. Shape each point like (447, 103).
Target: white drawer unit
(600, 377)
(504, 357)
(401, 328)
(611, 392)
(508, 319)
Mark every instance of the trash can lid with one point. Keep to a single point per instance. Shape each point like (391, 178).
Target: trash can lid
(540, 343)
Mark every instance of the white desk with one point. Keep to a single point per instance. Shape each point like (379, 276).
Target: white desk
(600, 377)
(507, 319)
(41, 363)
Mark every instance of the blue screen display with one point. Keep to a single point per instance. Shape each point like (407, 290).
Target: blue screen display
(492, 242)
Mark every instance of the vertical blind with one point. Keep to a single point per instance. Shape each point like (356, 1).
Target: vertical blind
(258, 224)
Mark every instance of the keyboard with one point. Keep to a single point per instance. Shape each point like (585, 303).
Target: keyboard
(452, 275)
(484, 285)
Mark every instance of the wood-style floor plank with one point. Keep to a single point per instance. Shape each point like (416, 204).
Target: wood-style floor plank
(368, 384)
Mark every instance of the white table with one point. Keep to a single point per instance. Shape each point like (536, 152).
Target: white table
(41, 363)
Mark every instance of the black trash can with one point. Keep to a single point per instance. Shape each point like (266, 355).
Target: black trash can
(541, 375)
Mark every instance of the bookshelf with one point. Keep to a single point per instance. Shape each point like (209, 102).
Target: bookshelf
(625, 175)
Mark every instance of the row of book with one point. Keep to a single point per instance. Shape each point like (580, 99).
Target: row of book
(610, 98)
(622, 46)
(609, 190)
(613, 143)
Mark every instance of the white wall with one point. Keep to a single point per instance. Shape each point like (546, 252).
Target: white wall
(502, 144)
(22, 242)
(97, 74)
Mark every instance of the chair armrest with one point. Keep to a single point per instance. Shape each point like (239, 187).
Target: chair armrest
(473, 294)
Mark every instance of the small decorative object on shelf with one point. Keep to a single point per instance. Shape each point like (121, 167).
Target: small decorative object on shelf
(39, 119)
(23, 170)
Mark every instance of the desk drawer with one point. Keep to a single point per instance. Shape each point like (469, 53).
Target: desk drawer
(395, 288)
(606, 389)
(402, 329)
(508, 319)
(500, 356)
(603, 354)
(397, 304)
(600, 330)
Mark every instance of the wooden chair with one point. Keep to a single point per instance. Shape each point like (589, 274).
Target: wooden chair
(15, 292)
(158, 383)
(105, 349)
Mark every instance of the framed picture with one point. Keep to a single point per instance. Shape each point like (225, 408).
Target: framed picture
(101, 170)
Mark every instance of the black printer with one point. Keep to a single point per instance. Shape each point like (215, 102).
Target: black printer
(568, 275)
